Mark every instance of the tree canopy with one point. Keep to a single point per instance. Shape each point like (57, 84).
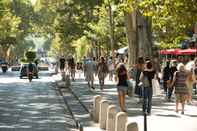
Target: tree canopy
(69, 26)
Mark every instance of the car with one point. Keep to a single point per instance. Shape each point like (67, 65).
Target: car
(15, 68)
(23, 70)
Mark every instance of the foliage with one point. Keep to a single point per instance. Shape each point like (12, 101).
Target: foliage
(171, 18)
(86, 23)
(82, 46)
(9, 29)
(30, 56)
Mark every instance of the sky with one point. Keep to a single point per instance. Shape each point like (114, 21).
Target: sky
(33, 2)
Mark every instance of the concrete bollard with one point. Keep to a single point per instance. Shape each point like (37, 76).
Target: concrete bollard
(96, 107)
(131, 126)
(121, 120)
(111, 117)
(103, 114)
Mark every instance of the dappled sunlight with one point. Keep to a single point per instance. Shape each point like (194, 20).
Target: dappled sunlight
(26, 106)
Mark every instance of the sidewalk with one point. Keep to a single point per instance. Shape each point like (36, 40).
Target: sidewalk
(163, 115)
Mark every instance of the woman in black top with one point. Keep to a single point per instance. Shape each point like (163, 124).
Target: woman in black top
(122, 86)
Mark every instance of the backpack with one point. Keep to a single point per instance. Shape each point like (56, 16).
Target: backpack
(30, 67)
(146, 82)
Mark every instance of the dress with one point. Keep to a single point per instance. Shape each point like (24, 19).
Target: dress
(181, 89)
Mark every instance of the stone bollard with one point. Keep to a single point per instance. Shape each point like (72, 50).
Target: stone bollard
(111, 115)
(96, 107)
(121, 120)
(103, 114)
(131, 126)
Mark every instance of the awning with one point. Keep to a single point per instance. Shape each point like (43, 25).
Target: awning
(123, 50)
(168, 52)
(186, 52)
(178, 52)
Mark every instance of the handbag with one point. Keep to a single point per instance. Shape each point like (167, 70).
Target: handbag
(130, 84)
(156, 87)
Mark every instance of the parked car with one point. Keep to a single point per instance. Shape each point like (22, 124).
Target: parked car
(15, 68)
(23, 70)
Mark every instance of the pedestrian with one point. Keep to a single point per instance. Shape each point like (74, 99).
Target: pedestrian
(189, 83)
(181, 90)
(102, 71)
(137, 71)
(79, 68)
(111, 68)
(91, 66)
(173, 69)
(146, 78)
(122, 85)
(195, 74)
(71, 65)
(84, 62)
(166, 77)
(62, 63)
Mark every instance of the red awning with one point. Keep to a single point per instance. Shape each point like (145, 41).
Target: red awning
(178, 52)
(186, 52)
(169, 52)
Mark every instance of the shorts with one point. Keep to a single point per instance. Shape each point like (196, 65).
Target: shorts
(89, 76)
(122, 88)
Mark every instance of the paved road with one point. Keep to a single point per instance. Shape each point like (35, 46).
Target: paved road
(163, 117)
(35, 106)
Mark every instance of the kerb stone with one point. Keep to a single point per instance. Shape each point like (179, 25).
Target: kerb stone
(103, 114)
(131, 126)
(96, 107)
(121, 120)
(111, 117)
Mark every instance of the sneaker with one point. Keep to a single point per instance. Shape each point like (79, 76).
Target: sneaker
(148, 114)
(182, 112)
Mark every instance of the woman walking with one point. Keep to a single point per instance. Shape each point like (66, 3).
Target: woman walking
(102, 72)
(146, 78)
(181, 90)
(122, 85)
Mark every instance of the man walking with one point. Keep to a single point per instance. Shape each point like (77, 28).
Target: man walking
(91, 69)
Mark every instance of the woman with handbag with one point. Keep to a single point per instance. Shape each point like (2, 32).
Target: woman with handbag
(146, 78)
(122, 85)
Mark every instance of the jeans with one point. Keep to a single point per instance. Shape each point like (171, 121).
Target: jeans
(170, 90)
(147, 102)
(165, 86)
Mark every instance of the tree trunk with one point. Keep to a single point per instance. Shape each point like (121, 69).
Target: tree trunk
(131, 29)
(139, 34)
(144, 35)
(4, 51)
(112, 38)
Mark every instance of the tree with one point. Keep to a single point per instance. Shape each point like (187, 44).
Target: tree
(9, 32)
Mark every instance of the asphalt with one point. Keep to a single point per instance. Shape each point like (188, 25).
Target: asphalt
(35, 106)
(162, 118)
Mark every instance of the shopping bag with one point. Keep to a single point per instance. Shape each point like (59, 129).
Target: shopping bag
(131, 85)
(156, 87)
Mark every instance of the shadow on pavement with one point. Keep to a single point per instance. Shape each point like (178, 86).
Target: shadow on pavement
(168, 115)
